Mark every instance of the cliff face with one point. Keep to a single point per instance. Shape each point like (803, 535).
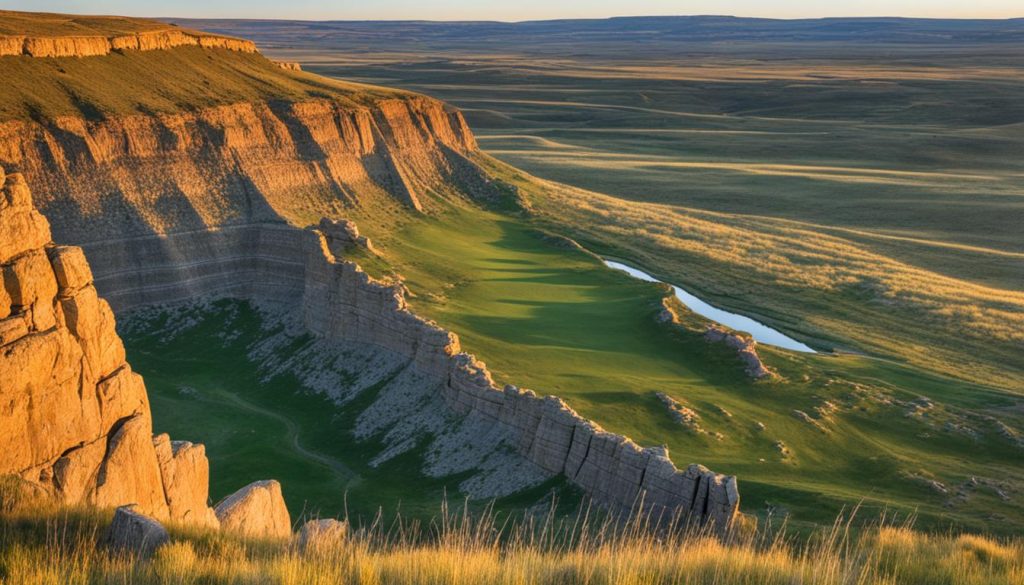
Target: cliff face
(76, 419)
(97, 45)
(232, 165)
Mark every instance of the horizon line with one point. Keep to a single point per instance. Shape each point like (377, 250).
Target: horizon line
(536, 20)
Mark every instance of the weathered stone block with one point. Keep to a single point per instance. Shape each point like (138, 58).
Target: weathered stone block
(130, 472)
(133, 532)
(70, 267)
(257, 510)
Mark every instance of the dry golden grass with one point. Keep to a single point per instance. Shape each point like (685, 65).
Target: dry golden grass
(790, 256)
(60, 549)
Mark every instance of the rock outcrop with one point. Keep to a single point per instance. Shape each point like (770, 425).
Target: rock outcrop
(745, 346)
(256, 511)
(76, 419)
(322, 535)
(186, 478)
(134, 533)
(93, 46)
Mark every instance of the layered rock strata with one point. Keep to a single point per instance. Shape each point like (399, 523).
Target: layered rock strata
(97, 45)
(233, 165)
(76, 419)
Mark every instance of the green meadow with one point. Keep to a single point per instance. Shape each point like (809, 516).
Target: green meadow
(204, 385)
(547, 316)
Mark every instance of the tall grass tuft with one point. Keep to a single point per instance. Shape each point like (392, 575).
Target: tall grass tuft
(58, 547)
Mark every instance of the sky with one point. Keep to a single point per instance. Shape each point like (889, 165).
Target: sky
(515, 10)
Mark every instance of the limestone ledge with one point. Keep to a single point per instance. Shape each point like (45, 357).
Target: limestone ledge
(341, 302)
(91, 46)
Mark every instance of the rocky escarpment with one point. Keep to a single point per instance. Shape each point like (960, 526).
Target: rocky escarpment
(97, 45)
(234, 165)
(76, 419)
(342, 305)
(75, 424)
(342, 302)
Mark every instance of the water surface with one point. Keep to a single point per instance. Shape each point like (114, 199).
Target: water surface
(760, 332)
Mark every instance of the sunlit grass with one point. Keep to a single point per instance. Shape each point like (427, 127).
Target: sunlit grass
(59, 547)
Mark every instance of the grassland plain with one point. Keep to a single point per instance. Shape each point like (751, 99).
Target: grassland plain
(898, 151)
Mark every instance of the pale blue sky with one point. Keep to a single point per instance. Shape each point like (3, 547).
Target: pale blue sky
(523, 9)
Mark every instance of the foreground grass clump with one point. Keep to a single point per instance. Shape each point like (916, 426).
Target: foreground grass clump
(59, 548)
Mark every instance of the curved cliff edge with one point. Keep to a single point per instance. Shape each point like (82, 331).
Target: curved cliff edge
(97, 45)
(341, 302)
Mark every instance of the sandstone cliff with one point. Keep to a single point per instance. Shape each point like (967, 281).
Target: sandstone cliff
(96, 45)
(237, 164)
(76, 419)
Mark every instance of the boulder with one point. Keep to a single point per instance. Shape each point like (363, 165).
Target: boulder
(134, 533)
(257, 510)
(322, 535)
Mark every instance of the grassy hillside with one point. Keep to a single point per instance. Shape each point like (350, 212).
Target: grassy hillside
(40, 24)
(554, 319)
(154, 82)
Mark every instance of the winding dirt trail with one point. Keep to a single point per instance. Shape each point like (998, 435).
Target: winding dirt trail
(344, 473)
